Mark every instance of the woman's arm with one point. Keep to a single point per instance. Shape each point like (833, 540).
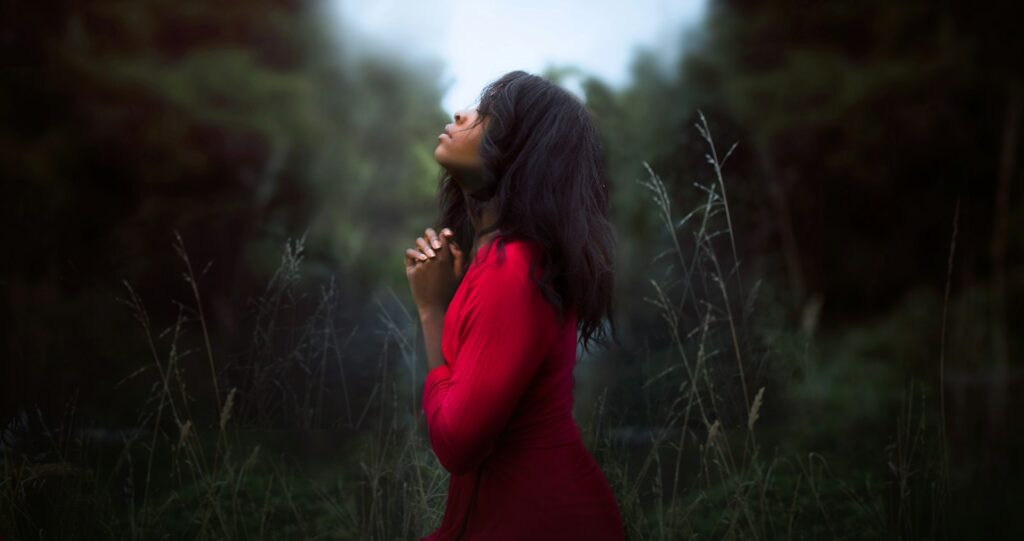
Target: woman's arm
(505, 329)
(433, 278)
(432, 321)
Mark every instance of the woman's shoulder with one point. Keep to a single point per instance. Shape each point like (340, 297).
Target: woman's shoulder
(503, 264)
(502, 276)
(509, 255)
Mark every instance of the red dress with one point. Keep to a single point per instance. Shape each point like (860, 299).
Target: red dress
(499, 413)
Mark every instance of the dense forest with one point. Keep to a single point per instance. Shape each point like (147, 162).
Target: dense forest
(206, 207)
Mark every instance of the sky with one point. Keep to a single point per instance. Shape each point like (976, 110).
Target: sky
(477, 41)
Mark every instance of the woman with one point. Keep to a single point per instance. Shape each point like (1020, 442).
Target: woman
(523, 187)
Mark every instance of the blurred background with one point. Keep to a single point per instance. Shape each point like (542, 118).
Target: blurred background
(206, 207)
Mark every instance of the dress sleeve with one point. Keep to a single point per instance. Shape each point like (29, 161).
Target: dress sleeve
(505, 329)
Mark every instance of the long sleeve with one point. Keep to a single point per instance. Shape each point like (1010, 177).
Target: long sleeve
(505, 328)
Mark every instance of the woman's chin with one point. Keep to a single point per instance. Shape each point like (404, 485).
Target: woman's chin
(444, 160)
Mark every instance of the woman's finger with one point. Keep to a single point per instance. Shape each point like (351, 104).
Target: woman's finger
(424, 247)
(413, 256)
(447, 238)
(431, 235)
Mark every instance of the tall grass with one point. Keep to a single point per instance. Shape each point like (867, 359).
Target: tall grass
(199, 469)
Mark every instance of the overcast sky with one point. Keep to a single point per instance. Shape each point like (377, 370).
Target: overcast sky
(479, 40)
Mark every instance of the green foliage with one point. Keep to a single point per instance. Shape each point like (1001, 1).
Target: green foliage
(237, 127)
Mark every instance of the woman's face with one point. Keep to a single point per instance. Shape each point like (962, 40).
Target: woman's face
(458, 148)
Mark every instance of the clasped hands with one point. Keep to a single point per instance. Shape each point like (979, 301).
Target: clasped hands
(434, 268)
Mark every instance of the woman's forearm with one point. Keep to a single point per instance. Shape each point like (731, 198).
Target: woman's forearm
(432, 322)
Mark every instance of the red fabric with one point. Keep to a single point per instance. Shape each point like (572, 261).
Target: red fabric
(499, 413)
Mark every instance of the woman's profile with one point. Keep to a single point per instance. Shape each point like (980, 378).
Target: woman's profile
(518, 273)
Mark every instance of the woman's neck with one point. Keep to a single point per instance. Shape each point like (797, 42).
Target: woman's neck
(484, 223)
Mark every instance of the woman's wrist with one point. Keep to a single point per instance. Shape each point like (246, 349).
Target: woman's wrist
(428, 313)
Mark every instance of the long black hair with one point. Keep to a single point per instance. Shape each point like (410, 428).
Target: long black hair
(544, 171)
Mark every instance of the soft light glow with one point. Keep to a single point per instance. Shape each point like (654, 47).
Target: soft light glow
(478, 40)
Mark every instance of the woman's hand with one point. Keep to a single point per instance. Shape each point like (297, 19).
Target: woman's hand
(433, 269)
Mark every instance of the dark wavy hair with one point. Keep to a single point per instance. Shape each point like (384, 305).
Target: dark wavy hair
(544, 171)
